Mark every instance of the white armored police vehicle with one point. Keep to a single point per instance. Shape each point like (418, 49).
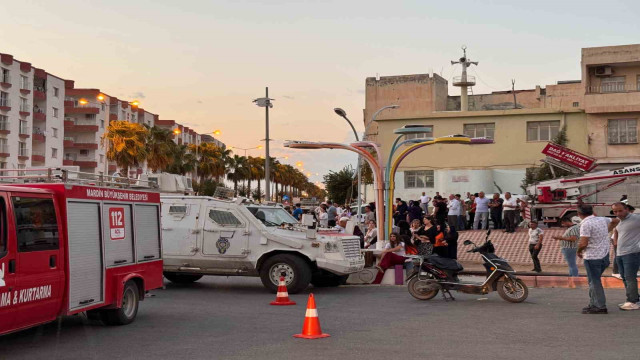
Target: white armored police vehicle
(232, 237)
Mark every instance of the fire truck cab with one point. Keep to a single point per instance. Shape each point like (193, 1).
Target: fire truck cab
(67, 248)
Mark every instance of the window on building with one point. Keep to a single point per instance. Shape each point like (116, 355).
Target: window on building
(102, 123)
(24, 82)
(5, 76)
(638, 83)
(4, 122)
(418, 179)
(480, 130)
(576, 104)
(55, 132)
(224, 218)
(55, 112)
(56, 92)
(4, 148)
(623, 131)
(101, 159)
(542, 130)
(4, 98)
(612, 84)
(124, 116)
(423, 135)
(3, 164)
(90, 116)
(103, 106)
(54, 153)
(128, 118)
(23, 127)
(36, 224)
(84, 152)
(22, 149)
(24, 105)
(21, 167)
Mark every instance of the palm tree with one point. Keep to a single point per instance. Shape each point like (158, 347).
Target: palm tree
(256, 172)
(159, 147)
(212, 161)
(183, 160)
(237, 170)
(125, 144)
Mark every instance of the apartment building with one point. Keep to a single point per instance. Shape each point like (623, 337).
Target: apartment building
(600, 112)
(45, 121)
(31, 112)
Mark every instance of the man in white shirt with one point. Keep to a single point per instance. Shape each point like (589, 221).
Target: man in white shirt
(509, 211)
(594, 247)
(482, 211)
(454, 211)
(424, 203)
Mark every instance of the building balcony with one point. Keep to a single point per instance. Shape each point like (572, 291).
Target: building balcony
(23, 154)
(38, 136)
(87, 146)
(78, 108)
(25, 109)
(67, 162)
(39, 115)
(612, 99)
(113, 117)
(86, 164)
(37, 156)
(5, 104)
(112, 168)
(5, 81)
(68, 142)
(4, 127)
(4, 151)
(39, 95)
(464, 81)
(73, 127)
(24, 132)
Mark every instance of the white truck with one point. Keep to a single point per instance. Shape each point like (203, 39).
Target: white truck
(557, 198)
(233, 237)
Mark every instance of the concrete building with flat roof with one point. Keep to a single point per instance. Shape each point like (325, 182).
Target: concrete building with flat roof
(600, 112)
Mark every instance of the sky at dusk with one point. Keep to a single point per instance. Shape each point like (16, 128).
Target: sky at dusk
(201, 63)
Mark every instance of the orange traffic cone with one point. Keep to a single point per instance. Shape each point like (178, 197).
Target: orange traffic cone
(282, 297)
(311, 327)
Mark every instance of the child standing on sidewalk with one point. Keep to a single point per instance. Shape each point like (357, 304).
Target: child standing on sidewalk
(535, 244)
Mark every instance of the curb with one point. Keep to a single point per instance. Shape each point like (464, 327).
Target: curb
(569, 282)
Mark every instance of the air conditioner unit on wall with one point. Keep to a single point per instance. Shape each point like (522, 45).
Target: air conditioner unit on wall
(603, 71)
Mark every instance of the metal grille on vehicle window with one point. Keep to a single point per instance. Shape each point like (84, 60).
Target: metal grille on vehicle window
(224, 218)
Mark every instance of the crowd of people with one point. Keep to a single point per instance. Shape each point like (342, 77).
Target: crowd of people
(418, 231)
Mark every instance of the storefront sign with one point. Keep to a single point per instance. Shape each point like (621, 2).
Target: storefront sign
(569, 157)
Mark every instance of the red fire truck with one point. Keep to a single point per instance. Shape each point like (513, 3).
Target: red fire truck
(76, 246)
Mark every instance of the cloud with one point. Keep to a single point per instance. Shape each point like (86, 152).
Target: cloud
(138, 95)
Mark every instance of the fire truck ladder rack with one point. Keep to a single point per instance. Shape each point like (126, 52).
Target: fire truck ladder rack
(60, 175)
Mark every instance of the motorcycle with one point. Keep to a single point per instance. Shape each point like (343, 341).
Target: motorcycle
(434, 273)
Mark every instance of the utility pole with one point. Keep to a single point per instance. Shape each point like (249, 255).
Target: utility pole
(513, 90)
(464, 81)
(266, 103)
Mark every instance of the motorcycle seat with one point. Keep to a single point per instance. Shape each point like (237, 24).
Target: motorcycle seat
(445, 263)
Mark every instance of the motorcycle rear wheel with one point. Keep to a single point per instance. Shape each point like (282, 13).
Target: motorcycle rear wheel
(514, 291)
(416, 292)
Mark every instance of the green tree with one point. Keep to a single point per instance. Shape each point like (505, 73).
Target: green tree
(339, 184)
(543, 172)
(159, 148)
(126, 144)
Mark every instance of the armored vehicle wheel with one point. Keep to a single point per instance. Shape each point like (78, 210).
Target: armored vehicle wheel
(296, 273)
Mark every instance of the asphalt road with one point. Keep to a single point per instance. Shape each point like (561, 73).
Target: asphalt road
(229, 318)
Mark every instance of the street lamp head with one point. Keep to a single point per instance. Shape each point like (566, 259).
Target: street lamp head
(217, 132)
(394, 106)
(177, 131)
(340, 112)
(259, 147)
(135, 103)
(412, 129)
(100, 97)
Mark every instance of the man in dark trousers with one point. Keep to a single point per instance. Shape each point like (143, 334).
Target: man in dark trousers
(495, 207)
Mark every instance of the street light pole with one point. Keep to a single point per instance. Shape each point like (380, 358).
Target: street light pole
(343, 114)
(266, 103)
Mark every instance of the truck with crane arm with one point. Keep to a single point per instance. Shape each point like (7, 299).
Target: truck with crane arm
(557, 198)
